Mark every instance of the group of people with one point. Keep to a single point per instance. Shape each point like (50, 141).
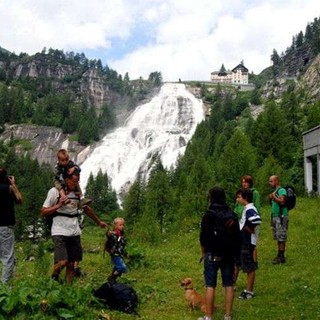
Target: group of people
(63, 203)
(238, 249)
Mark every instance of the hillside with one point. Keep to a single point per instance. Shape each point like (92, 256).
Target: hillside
(76, 99)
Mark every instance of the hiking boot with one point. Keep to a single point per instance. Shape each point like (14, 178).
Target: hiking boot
(85, 202)
(278, 260)
(245, 295)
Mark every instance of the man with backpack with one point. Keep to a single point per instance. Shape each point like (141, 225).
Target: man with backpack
(279, 217)
(219, 240)
(65, 229)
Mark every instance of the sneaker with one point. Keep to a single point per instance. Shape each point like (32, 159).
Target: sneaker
(85, 202)
(245, 295)
(278, 260)
(227, 317)
(204, 318)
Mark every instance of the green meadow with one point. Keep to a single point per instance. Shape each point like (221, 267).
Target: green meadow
(289, 291)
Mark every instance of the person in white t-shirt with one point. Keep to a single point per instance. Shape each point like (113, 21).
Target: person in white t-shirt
(249, 227)
(65, 230)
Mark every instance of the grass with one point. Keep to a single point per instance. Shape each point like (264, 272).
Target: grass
(289, 291)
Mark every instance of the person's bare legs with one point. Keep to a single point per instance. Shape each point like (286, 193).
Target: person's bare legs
(70, 272)
(250, 280)
(229, 293)
(210, 297)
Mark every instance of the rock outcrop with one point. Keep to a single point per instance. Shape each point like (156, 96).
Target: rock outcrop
(310, 81)
(83, 83)
(42, 143)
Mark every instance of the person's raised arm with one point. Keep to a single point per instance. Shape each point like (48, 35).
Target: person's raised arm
(14, 189)
(92, 215)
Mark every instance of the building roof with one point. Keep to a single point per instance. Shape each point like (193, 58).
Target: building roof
(221, 73)
(241, 67)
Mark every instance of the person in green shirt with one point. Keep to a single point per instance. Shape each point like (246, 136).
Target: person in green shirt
(279, 217)
(247, 182)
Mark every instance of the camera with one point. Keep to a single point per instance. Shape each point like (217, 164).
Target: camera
(8, 179)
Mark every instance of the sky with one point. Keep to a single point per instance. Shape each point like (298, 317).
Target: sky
(182, 39)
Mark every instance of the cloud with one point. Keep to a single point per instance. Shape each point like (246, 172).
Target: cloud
(180, 38)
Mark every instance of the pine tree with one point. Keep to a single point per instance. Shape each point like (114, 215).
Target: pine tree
(237, 159)
(134, 202)
(157, 194)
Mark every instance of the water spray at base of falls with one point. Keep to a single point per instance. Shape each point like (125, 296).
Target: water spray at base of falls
(160, 127)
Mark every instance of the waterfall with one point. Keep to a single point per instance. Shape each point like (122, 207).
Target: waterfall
(162, 126)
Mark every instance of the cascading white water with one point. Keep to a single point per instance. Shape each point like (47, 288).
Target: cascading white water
(162, 126)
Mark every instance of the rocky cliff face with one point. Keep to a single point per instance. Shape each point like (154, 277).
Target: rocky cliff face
(85, 84)
(42, 143)
(301, 67)
(310, 81)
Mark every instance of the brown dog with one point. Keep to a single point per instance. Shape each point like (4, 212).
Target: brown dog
(193, 298)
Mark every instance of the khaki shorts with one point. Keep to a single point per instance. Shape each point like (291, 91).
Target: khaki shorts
(280, 228)
(67, 248)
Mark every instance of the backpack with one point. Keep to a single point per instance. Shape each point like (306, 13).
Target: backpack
(109, 242)
(291, 198)
(118, 296)
(226, 234)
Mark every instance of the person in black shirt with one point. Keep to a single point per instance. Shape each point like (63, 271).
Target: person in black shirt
(220, 243)
(9, 195)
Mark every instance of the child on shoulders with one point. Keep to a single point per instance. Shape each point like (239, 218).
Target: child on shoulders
(65, 166)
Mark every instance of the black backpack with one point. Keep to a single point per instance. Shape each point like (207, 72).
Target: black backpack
(226, 234)
(291, 198)
(118, 296)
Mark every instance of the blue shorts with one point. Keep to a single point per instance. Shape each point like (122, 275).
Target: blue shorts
(211, 266)
(118, 264)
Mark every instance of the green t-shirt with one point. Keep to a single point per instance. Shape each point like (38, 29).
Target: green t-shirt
(276, 209)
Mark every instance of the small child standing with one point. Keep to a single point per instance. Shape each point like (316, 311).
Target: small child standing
(66, 166)
(249, 227)
(115, 245)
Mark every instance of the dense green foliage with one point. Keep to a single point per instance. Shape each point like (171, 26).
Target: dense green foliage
(104, 198)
